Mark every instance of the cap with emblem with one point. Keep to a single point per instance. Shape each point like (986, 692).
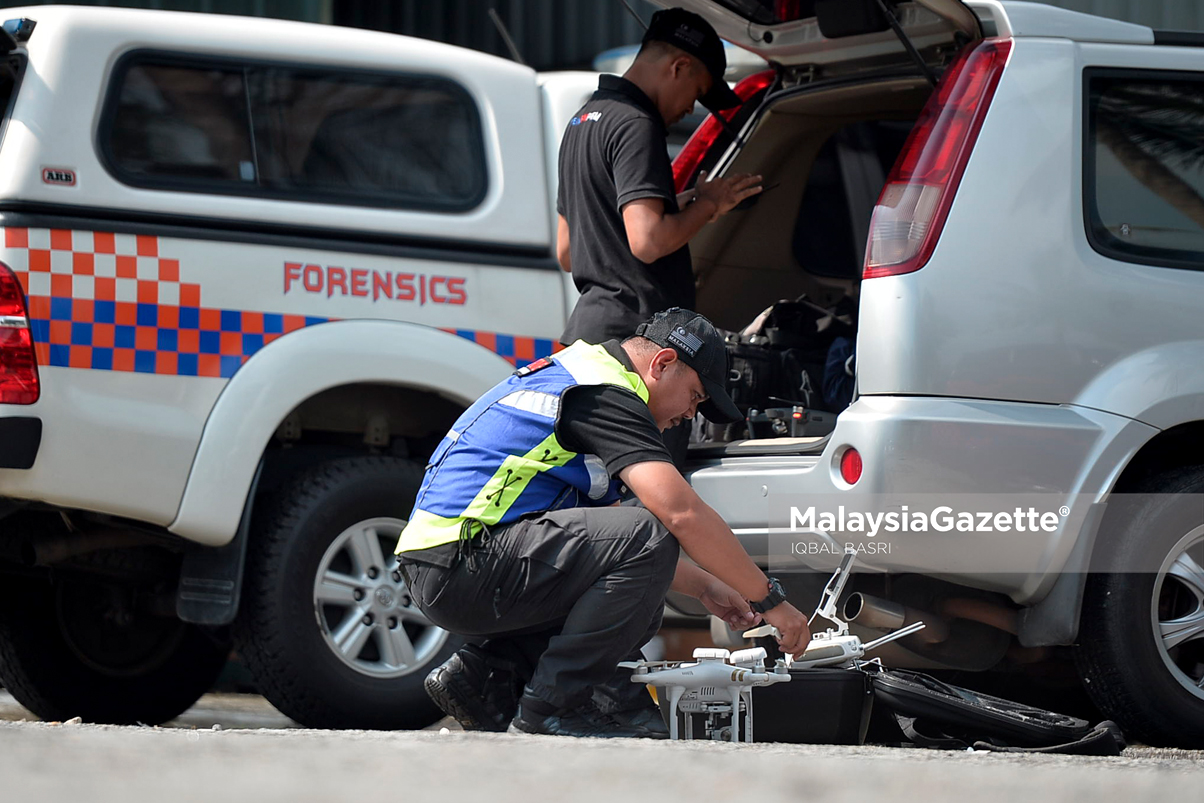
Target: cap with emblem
(699, 345)
(689, 32)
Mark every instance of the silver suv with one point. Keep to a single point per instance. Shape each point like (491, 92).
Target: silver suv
(1012, 195)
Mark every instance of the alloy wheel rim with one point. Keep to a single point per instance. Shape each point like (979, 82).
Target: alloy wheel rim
(1177, 611)
(365, 611)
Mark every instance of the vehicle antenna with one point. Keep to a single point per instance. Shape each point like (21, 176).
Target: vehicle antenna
(501, 29)
(631, 11)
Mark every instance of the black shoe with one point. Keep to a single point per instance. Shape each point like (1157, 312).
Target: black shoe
(648, 722)
(631, 706)
(581, 722)
(479, 696)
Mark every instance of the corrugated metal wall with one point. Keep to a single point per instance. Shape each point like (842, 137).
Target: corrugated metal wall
(308, 10)
(558, 34)
(550, 34)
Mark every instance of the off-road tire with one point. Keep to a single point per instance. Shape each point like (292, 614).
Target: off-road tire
(170, 665)
(1117, 655)
(277, 631)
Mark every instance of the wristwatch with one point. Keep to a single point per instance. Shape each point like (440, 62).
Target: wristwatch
(776, 596)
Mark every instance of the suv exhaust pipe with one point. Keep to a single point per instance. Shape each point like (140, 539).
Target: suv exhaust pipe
(886, 615)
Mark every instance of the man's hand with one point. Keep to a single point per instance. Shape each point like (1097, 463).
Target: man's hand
(652, 234)
(792, 625)
(726, 191)
(725, 602)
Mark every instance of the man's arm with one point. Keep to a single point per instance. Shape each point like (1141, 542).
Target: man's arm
(652, 234)
(562, 245)
(710, 543)
(719, 598)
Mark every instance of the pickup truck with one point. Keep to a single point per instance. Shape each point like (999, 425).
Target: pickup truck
(252, 270)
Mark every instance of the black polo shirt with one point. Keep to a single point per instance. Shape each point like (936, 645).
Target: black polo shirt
(610, 422)
(613, 152)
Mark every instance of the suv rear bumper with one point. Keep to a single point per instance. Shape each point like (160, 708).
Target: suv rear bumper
(19, 442)
(924, 452)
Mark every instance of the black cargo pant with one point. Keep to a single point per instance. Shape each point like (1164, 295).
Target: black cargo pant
(565, 595)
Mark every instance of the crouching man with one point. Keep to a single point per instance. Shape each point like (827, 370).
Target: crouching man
(516, 541)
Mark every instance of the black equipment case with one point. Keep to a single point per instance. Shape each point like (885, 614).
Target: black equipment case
(817, 706)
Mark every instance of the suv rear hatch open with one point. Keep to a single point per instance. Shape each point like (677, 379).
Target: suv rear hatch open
(835, 37)
(824, 129)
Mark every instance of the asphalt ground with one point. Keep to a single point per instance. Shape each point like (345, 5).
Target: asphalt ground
(256, 754)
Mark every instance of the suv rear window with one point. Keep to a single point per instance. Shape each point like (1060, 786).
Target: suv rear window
(1144, 171)
(294, 133)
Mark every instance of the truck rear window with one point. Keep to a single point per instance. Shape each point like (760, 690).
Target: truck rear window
(1144, 166)
(294, 133)
(11, 69)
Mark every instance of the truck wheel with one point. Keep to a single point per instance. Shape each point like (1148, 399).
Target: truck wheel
(327, 626)
(81, 647)
(1141, 640)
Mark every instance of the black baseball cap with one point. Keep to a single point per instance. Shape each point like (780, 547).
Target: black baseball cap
(687, 31)
(699, 345)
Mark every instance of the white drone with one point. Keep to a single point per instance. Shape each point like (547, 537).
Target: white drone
(717, 683)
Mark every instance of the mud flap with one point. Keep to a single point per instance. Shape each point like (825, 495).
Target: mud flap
(211, 577)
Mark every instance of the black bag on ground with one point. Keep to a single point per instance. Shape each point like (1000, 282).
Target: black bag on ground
(935, 714)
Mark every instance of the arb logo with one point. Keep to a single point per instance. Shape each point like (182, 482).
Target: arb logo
(58, 175)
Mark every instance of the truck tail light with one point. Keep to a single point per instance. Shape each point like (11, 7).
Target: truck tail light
(688, 161)
(914, 203)
(18, 366)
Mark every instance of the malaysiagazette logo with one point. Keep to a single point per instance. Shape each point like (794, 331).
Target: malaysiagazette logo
(941, 519)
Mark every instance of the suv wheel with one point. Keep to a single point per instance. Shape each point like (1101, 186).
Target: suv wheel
(1141, 642)
(83, 647)
(327, 626)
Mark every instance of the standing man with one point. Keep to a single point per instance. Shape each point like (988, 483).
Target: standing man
(622, 231)
(516, 541)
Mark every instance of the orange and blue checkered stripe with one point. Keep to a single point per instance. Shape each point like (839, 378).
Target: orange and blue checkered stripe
(516, 350)
(111, 302)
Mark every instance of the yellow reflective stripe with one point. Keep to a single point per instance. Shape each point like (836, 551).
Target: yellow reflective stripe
(593, 365)
(512, 478)
(427, 530)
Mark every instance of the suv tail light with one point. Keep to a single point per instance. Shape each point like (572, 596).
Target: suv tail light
(685, 166)
(18, 366)
(914, 203)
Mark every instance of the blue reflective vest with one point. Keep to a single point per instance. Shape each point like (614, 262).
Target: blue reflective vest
(501, 460)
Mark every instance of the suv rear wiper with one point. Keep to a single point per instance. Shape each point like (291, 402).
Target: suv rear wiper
(907, 43)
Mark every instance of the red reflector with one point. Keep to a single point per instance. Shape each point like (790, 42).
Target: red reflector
(914, 203)
(685, 166)
(850, 466)
(18, 366)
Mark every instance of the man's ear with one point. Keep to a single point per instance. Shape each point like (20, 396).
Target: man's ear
(661, 362)
(681, 67)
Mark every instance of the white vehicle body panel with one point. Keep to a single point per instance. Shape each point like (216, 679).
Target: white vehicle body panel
(949, 447)
(121, 443)
(310, 361)
(57, 114)
(121, 438)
